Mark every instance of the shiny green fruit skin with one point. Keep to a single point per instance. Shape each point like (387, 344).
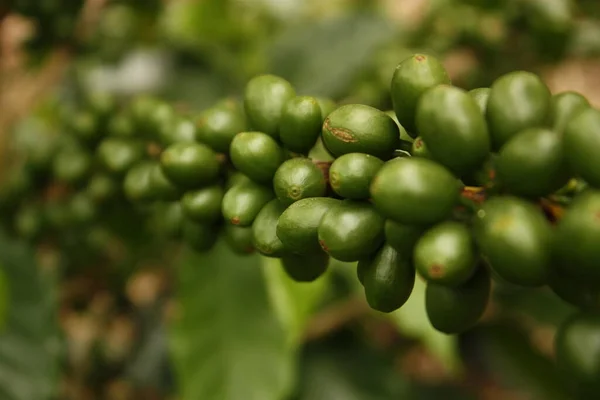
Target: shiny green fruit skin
(239, 238)
(236, 178)
(419, 149)
(516, 239)
(298, 225)
(172, 220)
(298, 178)
(305, 268)
(577, 350)
(357, 128)
(300, 125)
(137, 184)
(582, 145)
(242, 203)
(199, 237)
(415, 191)
(162, 187)
(577, 237)
(531, 164)
(517, 101)
(481, 96)
(72, 165)
(454, 310)
(190, 165)
(203, 205)
(351, 230)
(454, 129)
(118, 155)
(403, 237)
(388, 279)
(564, 107)
(264, 230)
(179, 130)
(446, 254)
(218, 125)
(411, 79)
(264, 99)
(256, 155)
(350, 175)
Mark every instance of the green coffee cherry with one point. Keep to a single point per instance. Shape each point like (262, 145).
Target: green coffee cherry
(84, 125)
(446, 254)
(141, 110)
(388, 278)
(305, 268)
(172, 220)
(236, 178)
(72, 165)
(256, 155)
(264, 230)
(190, 165)
(576, 238)
(415, 191)
(203, 205)
(455, 130)
(179, 130)
(350, 175)
(118, 155)
(121, 125)
(298, 178)
(515, 238)
(199, 237)
(517, 101)
(264, 99)
(137, 184)
(82, 209)
(356, 128)
(242, 203)
(419, 149)
(162, 187)
(298, 225)
(300, 124)
(102, 187)
(411, 79)
(218, 125)
(481, 96)
(351, 231)
(402, 237)
(239, 238)
(582, 145)
(454, 310)
(531, 164)
(160, 122)
(577, 353)
(564, 107)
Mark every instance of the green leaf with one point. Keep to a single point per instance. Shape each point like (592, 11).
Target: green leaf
(322, 58)
(347, 369)
(412, 321)
(29, 343)
(293, 302)
(227, 343)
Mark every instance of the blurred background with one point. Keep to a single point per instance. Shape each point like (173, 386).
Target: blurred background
(117, 311)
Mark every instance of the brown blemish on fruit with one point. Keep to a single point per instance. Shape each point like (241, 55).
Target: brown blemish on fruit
(420, 57)
(295, 192)
(345, 135)
(419, 143)
(235, 220)
(436, 271)
(334, 179)
(324, 167)
(153, 150)
(323, 245)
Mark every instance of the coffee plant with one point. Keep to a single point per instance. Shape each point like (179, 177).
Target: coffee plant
(442, 199)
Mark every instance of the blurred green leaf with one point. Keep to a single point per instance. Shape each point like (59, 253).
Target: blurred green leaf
(511, 358)
(342, 369)
(29, 342)
(412, 321)
(228, 343)
(322, 58)
(293, 302)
